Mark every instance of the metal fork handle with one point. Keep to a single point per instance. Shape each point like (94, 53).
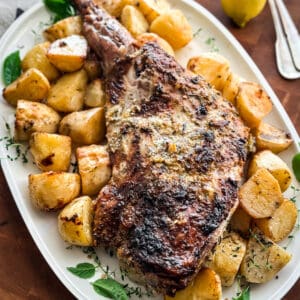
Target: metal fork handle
(284, 60)
(291, 33)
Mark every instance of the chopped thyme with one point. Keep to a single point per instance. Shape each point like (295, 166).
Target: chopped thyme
(20, 151)
(211, 41)
(197, 32)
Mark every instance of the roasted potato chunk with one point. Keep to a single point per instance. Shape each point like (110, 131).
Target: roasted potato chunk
(92, 68)
(253, 103)
(67, 94)
(84, 127)
(152, 37)
(64, 28)
(53, 190)
(68, 54)
(212, 66)
(206, 286)
(227, 257)
(173, 27)
(94, 168)
(134, 20)
(260, 195)
(51, 152)
(271, 138)
(94, 94)
(240, 222)
(151, 9)
(274, 164)
(75, 222)
(231, 87)
(37, 58)
(281, 223)
(34, 117)
(263, 259)
(113, 7)
(32, 85)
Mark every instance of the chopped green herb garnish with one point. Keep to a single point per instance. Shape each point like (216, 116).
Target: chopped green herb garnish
(197, 32)
(18, 148)
(211, 41)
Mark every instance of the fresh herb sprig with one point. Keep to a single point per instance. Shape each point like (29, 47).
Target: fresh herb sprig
(61, 8)
(107, 285)
(11, 67)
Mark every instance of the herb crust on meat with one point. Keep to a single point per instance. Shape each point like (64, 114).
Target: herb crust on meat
(177, 150)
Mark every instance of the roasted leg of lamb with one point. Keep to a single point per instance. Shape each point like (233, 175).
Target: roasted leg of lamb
(177, 150)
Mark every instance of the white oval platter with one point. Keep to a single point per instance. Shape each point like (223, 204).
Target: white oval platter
(210, 35)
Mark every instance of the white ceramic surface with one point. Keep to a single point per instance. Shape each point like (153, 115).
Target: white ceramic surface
(23, 34)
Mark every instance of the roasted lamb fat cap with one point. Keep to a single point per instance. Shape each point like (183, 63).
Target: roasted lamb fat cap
(177, 150)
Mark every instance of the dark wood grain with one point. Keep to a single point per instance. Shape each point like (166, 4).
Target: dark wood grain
(24, 274)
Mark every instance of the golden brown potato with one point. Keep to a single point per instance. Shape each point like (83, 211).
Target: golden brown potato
(94, 168)
(92, 68)
(84, 127)
(253, 103)
(240, 222)
(231, 87)
(281, 223)
(260, 195)
(206, 286)
(75, 222)
(94, 94)
(151, 9)
(271, 138)
(68, 54)
(263, 259)
(64, 28)
(134, 20)
(227, 257)
(274, 164)
(173, 27)
(152, 37)
(32, 85)
(36, 58)
(34, 117)
(113, 7)
(53, 190)
(51, 152)
(67, 94)
(212, 66)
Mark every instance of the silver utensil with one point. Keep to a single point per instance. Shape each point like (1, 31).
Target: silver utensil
(285, 63)
(291, 33)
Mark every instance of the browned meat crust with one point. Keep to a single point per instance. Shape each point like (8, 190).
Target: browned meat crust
(178, 151)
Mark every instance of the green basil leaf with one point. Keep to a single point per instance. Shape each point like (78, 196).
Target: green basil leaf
(245, 294)
(83, 270)
(296, 165)
(11, 67)
(110, 288)
(61, 8)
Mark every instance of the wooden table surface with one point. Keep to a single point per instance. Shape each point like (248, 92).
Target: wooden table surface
(24, 274)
